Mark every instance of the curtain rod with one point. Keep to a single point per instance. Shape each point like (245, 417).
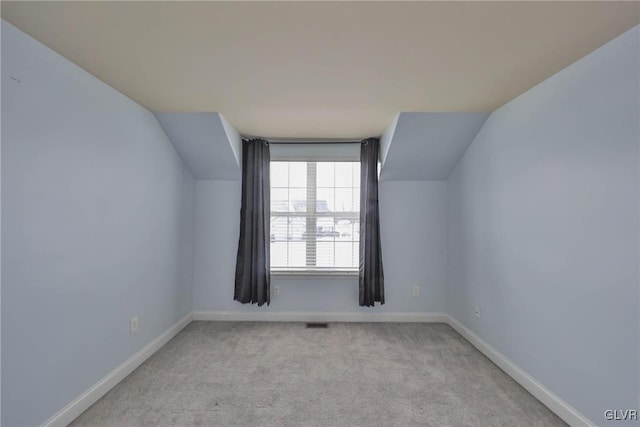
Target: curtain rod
(302, 141)
(276, 142)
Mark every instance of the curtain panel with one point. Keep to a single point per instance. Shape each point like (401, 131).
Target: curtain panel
(253, 277)
(371, 275)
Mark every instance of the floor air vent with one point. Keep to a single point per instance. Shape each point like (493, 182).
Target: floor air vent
(317, 325)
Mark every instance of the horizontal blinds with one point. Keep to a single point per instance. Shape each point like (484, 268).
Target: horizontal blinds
(315, 152)
(315, 216)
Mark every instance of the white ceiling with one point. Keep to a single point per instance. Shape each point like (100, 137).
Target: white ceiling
(321, 69)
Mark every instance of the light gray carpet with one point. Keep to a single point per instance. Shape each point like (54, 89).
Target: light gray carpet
(351, 374)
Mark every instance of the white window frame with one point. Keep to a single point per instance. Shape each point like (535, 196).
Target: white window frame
(310, 222)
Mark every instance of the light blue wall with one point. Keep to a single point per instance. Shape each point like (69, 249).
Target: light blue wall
(413, 228)
(97, 211)
(234, 138)
(543, 231)
(0, 244)
(386, 138)
(206, 142)
(427, 146)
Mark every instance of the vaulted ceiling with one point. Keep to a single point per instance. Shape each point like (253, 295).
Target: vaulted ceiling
(321, 69)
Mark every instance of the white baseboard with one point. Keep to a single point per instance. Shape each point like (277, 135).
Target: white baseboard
(266, 316)
(89, 397)
(563, 410)
(567, 413)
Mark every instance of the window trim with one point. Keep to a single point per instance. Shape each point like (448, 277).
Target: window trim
(315, 273)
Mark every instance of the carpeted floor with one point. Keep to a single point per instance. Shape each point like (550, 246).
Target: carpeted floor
(351, 374)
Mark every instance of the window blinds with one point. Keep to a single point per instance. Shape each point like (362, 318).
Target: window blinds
(315, 216)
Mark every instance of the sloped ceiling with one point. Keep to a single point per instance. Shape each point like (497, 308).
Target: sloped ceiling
(416, 146)
(426, 146)
(207, 143)
(321, 69)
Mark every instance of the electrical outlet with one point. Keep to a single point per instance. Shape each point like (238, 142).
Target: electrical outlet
(133, 325)
(276, 290)
(416, 291)
(476, 311)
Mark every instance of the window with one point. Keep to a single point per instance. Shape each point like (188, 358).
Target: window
(315, 216)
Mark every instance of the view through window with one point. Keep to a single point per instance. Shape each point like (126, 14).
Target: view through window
(315, 216)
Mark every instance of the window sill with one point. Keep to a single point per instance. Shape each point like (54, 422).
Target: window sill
(315, 274)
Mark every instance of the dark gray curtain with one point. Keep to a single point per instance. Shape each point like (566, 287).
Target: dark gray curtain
(371, 273)
(253, 277)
